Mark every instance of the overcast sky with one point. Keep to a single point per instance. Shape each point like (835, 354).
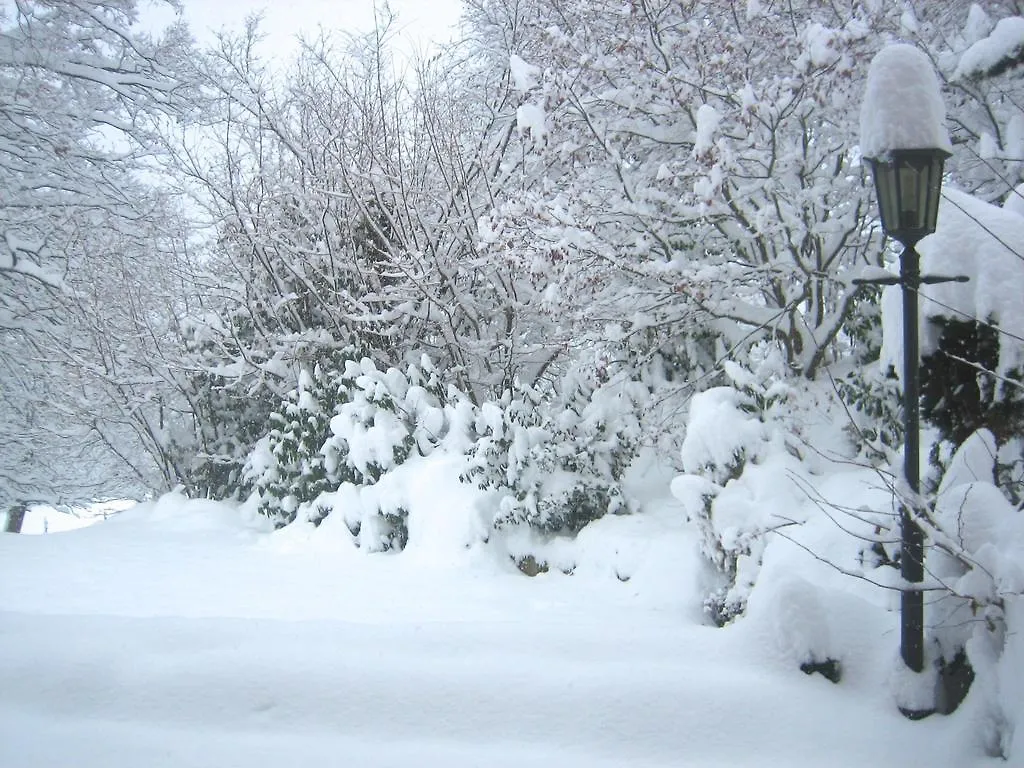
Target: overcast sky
(420, 21)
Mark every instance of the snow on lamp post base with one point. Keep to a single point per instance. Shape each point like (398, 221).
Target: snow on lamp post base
(904, 142)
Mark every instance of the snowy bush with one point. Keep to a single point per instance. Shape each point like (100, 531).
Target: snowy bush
(962, 392)
(340, 431)
(875, 407)
(972, 352)
(389, 416)
(339, 439)
(977, 537)
(731, 435)
(557, 465)
(287, 467)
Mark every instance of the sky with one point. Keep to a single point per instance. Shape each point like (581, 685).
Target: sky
(421, 22)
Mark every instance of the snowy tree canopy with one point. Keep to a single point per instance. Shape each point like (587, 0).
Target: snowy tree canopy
(82, 96)
(1001, 50)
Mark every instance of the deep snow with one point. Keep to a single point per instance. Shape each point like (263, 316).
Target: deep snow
(183, 633)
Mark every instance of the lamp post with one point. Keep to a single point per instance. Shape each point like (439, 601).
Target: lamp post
(904, 141)
(908, 183)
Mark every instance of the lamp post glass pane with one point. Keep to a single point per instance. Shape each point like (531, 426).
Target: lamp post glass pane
(888, 194)
(913, 194)
(908, 183)
(933, 191)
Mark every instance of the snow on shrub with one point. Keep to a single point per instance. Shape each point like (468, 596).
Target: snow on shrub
(733, 455)
(972, 351)
(286, 468)
(977, 537)
(556, 466)
(338, 440)
(342, 431)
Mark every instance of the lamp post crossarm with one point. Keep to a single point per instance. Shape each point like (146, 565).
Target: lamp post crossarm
(922, 280)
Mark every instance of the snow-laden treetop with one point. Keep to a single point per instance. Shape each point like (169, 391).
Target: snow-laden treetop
(999, 50)
(902, 106)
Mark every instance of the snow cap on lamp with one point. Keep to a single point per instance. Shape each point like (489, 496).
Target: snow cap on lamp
(902, 106)
(904, 141)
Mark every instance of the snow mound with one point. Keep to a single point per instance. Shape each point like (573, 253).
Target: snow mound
(974, 461)
(794, 611)
(902, 106)
(720, 432)
(175, 514)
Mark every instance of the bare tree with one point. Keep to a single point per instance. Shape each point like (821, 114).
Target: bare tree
(81, 96)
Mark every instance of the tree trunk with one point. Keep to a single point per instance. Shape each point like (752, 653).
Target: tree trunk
(15, 517)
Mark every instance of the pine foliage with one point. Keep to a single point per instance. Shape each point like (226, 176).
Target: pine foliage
(557, 465)
(345, 427)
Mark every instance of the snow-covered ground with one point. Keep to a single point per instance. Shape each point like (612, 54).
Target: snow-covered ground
(45, 519)
(182, 633)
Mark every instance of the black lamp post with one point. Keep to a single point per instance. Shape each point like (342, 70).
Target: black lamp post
(908, 183)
